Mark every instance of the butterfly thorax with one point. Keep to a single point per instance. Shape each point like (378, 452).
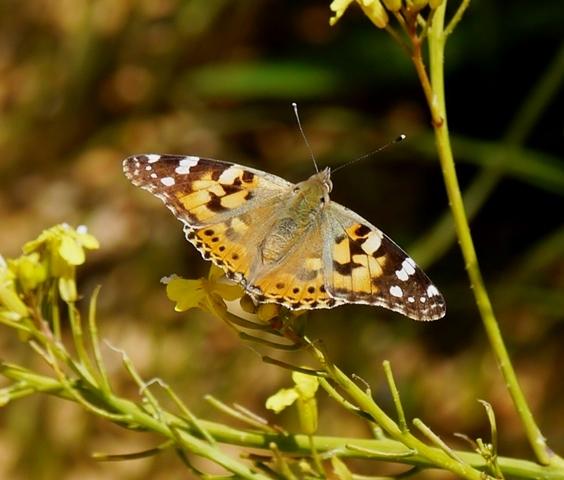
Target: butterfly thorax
(302, 212)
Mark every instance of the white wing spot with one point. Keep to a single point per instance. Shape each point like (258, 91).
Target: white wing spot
(167, 181)
(396, 291)
(409, 266)
(153, 157)
(402, 275)
(154, 175)
(423, 299)
(148, 167)
(186, 164)
(372, 243)
(229, 175)
(410, 299)
(407, 269)
(432, 291)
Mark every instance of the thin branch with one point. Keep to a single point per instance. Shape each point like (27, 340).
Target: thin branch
(456, 17)
(395, 396)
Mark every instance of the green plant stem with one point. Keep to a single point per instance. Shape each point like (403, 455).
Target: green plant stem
(381, 449)
(363, 401)
(494, 157)
(437, 39)
(395, 395)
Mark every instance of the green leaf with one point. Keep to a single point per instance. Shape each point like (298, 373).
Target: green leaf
(262, 80)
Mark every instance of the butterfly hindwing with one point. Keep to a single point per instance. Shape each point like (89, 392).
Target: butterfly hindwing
(232, 244)
(299, 281)
(367, 267)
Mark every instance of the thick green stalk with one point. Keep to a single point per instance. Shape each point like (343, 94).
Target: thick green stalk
(377, 449)
(437, 105)
(439, 239)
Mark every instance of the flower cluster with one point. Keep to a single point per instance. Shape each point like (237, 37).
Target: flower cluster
(53, 256)
(377, 10)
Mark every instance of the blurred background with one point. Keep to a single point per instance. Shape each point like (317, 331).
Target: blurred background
(84, 84)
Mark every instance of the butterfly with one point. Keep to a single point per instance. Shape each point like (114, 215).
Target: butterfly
(285, 243)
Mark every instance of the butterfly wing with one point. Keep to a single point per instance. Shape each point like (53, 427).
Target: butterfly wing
(217, 202)
(298, 281)
(365, 266)
(228, 210)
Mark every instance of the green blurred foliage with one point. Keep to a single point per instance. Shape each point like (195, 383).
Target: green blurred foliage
(84, 83)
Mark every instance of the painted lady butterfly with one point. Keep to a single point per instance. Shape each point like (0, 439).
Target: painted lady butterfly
(285, 243)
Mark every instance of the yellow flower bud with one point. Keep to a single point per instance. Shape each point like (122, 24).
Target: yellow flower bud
(375, 11)
(419, 4)
(247, 304)
(339, 7)
(392, 5)
(435, 3)
(10, 299)
(268, 311)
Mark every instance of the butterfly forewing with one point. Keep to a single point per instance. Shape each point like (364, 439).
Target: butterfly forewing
(201, 191)
(228, 212)
(217, 202)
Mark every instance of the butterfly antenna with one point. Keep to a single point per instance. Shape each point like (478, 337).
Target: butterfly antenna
(295, 107)
(399, 139)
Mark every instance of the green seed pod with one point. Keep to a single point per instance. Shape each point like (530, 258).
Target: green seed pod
(307, 412)
(435, 3)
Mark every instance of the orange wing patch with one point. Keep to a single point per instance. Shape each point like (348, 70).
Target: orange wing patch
(211, 192)
(220, 243)
(355, 263)
(302, 288)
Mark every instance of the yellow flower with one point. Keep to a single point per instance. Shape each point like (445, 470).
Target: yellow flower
(62, 248)
(208, 294)
(29, 270)
(65, 243)
(339, 7)
(10, 299)
(373, 9)
(303, 394)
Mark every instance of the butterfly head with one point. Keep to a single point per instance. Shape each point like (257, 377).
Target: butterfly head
(315, 190)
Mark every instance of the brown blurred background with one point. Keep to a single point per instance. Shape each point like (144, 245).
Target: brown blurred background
(85, 83)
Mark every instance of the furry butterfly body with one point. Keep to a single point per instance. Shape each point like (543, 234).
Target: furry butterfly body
(285, 243)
